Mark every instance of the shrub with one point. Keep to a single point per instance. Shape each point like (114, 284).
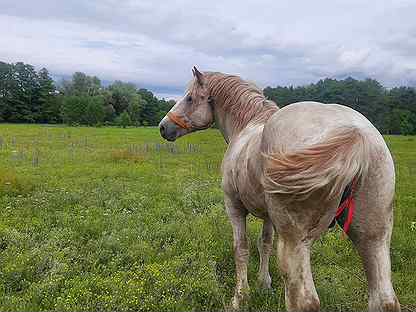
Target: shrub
(123, 120)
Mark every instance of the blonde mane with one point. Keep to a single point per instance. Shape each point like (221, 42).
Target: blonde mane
(243, 100)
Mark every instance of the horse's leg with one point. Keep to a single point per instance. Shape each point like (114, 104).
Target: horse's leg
(294, 262)
(376, 260)
(371, 232)
(265, 246)
(298, 224)
(237, 214)
(293, 250)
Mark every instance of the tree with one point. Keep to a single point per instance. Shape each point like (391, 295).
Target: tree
(73, 109)
(109, 112)
(86, 110)
(94, 111)
(401, 122)
(149, 112)
(49, 106)
(22, 102)
(121, 95)
(30, 96)
(134, 110)
(6, 82)
(124, 119)
(81, 85)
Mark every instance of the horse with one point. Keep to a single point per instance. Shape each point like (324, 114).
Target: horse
(290, 167)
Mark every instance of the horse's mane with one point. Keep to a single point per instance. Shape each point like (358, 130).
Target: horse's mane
(242, 99)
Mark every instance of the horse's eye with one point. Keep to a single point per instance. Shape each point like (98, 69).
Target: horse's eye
(189, 99)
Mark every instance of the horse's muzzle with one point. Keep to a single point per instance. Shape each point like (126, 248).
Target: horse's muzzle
(168, 130)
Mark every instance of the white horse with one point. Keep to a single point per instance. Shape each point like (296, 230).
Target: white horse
(290, 167)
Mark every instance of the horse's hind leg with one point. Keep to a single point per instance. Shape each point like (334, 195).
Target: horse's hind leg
(298, 225)
(265, 246)
(294, 262)
(371, 232)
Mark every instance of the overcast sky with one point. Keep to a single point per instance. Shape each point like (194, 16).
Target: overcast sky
(271, 42)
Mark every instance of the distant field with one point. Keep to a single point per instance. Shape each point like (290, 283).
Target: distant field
(106, 219)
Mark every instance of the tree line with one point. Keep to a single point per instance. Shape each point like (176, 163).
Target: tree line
(30, 96)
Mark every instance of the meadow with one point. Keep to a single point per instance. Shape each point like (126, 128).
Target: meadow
(110, 219)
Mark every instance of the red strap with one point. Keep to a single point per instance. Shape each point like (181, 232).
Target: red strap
(351, 208)
(342, 207)
(349, 204)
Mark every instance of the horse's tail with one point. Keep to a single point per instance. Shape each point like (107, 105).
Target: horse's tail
(329, 166)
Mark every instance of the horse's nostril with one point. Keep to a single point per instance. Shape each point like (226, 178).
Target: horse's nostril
(162, 130)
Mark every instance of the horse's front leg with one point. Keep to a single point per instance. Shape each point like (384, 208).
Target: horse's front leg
(265, 246)
(237, 214)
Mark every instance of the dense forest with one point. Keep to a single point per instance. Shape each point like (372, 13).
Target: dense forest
(30, 96)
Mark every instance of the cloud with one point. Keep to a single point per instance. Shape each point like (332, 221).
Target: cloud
(155, 43)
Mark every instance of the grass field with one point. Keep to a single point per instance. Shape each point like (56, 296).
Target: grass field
(106, 219)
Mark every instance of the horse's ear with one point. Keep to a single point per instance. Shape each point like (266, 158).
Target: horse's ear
(198, 75)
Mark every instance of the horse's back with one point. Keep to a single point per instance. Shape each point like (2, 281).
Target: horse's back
(306, 123)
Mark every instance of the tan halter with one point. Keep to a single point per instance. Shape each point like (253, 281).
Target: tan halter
(180, 121)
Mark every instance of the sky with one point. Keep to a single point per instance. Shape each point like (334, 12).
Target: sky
(154, 44)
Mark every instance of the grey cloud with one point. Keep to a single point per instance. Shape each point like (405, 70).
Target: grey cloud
(155, 43)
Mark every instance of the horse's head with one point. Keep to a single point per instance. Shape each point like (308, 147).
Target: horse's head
(193, 112)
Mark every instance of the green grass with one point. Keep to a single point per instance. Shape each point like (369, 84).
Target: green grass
(105, 219)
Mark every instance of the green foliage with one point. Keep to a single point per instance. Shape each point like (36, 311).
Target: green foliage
(109, 112)
(31, 97)
(141, 106)
(48, 106)
(87, 110)
(94, 111)
(115, 219)
(122, 95)
(27, 95)
(73, 108)
(124, 120)
(134, 111)
(401, 122)
(82, 85)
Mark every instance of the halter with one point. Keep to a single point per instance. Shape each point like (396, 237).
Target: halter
(185, 123)
(182, 122)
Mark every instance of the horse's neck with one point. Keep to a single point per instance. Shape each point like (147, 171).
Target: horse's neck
(237, 104)
(230, 128)
(225, 125)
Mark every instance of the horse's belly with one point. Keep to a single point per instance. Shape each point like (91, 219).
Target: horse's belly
(242, 171)
(253, 200)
